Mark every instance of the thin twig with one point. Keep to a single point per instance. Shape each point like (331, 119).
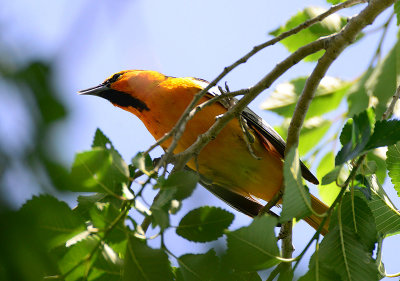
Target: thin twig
(390, 109)
(179, 128)
(253, 92)
(330, 210)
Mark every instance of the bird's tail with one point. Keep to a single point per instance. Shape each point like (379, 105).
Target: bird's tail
(314, 220)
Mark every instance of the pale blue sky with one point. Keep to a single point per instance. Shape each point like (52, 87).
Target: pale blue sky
(91, 40)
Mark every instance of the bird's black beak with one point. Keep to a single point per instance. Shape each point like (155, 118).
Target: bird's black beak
(95, 91)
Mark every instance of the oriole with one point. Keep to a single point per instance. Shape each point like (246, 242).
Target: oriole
(232, 172)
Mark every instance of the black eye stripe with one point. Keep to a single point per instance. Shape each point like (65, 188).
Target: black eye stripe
(112, 79)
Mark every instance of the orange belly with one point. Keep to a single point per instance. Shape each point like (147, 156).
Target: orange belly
(225, 160)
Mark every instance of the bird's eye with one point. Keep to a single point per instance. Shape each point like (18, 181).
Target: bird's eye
(112, 79)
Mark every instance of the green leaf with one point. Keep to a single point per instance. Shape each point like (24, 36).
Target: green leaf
(385, 133)
(56, 223)
(327, 97)
(382, 82)
(143, 163)
(355, 214)
(387, 217)
(98, 170)
(296, 199)
(144, 263)
(72, 261)
(357, 96)
(204, 224)
(85, 203)
(355, 141)
(328, 190)
(378, 156)
(161, 206)
(334, 2)
(328, 26)
(201, 267)
(253, 247)
(393, 165)
(342, 252)
(397, 11)
(311, 133)
(101, 140)
(183, 181)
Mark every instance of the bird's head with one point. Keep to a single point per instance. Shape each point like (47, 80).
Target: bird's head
(128, 89)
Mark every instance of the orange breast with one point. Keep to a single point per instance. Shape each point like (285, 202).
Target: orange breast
(225, 160)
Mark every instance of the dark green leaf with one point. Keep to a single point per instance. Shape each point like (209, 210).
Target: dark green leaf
(386, 133)
(24, 251)
(355, 214)
(200, 267)
(331, 176)
(328, 26)
(85, 203)
(55, 221)
(145, 263)
(393, 165)
(161, 206)
(98, 170)
(296, 199)
(253, 247)
(143, 163)
(328, 190)
(183, 181)
(101, 140)
(342, 252)
(356, 142)
(327, 97)
(204, 224)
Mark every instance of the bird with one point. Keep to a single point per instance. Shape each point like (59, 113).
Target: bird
(242, 164)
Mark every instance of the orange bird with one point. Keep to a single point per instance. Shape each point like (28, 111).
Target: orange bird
(226, 165)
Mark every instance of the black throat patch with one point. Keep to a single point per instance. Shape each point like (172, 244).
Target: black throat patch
(123, 99)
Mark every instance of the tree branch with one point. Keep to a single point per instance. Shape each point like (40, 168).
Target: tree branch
(179, 128)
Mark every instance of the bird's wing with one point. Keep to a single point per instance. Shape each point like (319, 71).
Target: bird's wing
(260, 127)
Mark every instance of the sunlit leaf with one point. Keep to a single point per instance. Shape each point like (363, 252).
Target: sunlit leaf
(328, 26)
(204, 224)
(253, 247)
(327, 97)
(143, 163)
(73, 264)
(98, 170)
(328, 190)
